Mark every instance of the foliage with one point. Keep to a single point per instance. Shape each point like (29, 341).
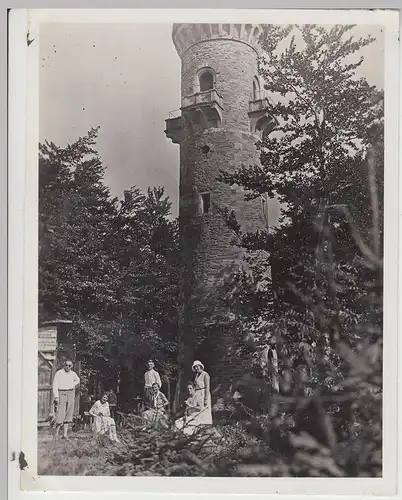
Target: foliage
(318, 163)
(318, 292)
(156, 452)
(322, 302)
(109, 264)
(314, 163)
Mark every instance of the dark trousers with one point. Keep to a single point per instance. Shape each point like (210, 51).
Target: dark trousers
(147, 397)
(112, 410)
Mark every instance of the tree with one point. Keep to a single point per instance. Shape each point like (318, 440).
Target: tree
(315, 162)
(75, 211)
(110, 265)
(324, 163)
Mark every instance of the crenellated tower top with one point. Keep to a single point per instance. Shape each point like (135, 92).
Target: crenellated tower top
(186, 35)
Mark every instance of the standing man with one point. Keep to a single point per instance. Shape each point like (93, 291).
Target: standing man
(151, 377)
(64, 384)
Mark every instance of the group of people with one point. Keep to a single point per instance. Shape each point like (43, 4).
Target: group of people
(197, 406)
(64, 384)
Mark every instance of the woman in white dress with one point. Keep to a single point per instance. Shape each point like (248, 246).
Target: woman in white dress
(193, 405)
(202, 384)
(102, 420)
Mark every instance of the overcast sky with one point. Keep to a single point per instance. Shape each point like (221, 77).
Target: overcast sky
(126, 78)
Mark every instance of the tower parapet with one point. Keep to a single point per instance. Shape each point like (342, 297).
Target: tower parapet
(186, 35)
(219, 85)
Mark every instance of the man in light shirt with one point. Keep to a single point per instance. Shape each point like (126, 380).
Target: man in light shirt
(151, 377)
(64, 384)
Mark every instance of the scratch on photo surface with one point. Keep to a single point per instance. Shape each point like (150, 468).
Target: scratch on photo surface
(22, 461)
(29, 40)
(24, 467)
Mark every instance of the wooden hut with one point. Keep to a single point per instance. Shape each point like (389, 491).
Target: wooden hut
(53, 349)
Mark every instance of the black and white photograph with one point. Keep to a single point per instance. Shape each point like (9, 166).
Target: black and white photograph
(210, 262)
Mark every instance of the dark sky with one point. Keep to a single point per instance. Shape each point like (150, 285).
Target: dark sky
(126, 79)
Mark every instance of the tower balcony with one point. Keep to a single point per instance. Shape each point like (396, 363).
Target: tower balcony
(174, 127)
(262, 121)
(204, 108)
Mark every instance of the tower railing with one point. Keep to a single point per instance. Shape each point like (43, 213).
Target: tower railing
(176, 113)
(205, 97)
(259, 101)
(258, 95)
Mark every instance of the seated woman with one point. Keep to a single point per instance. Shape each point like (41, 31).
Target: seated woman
(102, 421)
(193, 406)
(156, 413)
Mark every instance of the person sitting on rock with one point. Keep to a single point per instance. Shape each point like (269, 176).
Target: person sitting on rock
(156, 412)
(190, 422)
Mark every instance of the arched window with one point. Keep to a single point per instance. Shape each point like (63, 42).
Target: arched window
(265, 126)
(256, 89)
(206, 79)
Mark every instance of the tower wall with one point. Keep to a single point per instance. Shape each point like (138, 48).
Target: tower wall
(235, 65)
(208, 248)
(208, 243)
(230, 145)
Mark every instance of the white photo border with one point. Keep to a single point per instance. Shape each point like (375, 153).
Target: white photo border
(23, 254)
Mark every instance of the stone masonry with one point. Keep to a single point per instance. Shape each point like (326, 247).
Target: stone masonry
(217, 130)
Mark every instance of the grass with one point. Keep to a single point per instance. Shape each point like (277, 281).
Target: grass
(260, 447)
(157, 452)
(84, 454)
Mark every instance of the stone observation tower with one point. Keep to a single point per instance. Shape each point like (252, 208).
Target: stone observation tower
(223, 113)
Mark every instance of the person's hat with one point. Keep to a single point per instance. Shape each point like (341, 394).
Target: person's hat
(197, 363)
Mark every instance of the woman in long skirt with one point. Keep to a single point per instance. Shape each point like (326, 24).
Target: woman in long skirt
(102, 420)
(202, 384)
(193, 406)
(156, 413)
